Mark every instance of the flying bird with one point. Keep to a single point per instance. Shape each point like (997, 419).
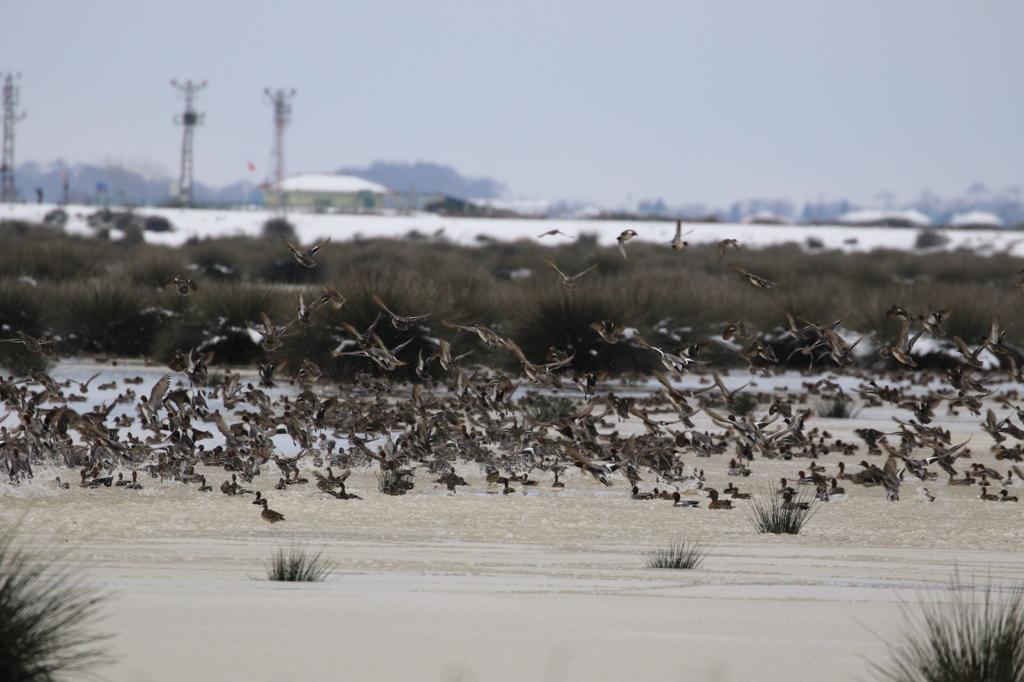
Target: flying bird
(399, 322)
(304, 258)
(608, 331)
(726, 244)
(568, 281)
(623, 238)
(332, 297)
(677, 242)
(755, 281)
(183, 285)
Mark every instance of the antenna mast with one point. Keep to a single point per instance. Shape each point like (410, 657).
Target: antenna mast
(11, 95)
(281, 101)
(188, 119)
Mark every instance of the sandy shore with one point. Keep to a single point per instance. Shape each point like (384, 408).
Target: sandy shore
(478, 611)
(520, 587)
(545, 585)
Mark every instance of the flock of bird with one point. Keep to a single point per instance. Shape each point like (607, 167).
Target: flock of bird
(519, 430)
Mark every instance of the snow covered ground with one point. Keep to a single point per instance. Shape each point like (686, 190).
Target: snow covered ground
(542, 586)
(310, 227)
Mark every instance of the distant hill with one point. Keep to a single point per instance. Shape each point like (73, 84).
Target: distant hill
(125, 185)
(122, 185)
(428, 178)
(140, 186)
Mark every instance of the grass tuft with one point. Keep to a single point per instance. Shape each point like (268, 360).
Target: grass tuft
(298, 566)
(393, 482)
(771, 514)
(679, 555)
(744, 404)
(978, 635)
(219, 318)
(104, 316)
(276, 228)
(22, 308)
(837, 407)
(45, 619)
(930, 238)
(546, 409)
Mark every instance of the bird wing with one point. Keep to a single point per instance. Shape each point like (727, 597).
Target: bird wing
(380, 304)
(903, 339)
(316, 247)
(350, 329)
(890, 466)
(156, 395)
(663, 380)
(721, 385)
(554, 267)
(964, 350)
(514, 348)
(85, 384)
(394, 351)
(580, 274)
(222, 426)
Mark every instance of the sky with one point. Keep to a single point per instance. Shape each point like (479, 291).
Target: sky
(694, 102)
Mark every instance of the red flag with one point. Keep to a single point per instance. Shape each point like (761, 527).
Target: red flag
(252, 167)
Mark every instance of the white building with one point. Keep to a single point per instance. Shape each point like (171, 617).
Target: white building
(977, 219)
(326, 192)
(885, 218)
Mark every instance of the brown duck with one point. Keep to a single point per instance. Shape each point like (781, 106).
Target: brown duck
(715, 502)
(269, 515)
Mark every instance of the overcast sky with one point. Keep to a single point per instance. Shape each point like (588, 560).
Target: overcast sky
(690, 101)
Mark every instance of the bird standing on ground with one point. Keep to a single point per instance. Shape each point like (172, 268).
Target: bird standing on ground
(269, 515)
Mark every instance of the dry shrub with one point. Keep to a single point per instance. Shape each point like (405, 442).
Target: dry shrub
(105, 316)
